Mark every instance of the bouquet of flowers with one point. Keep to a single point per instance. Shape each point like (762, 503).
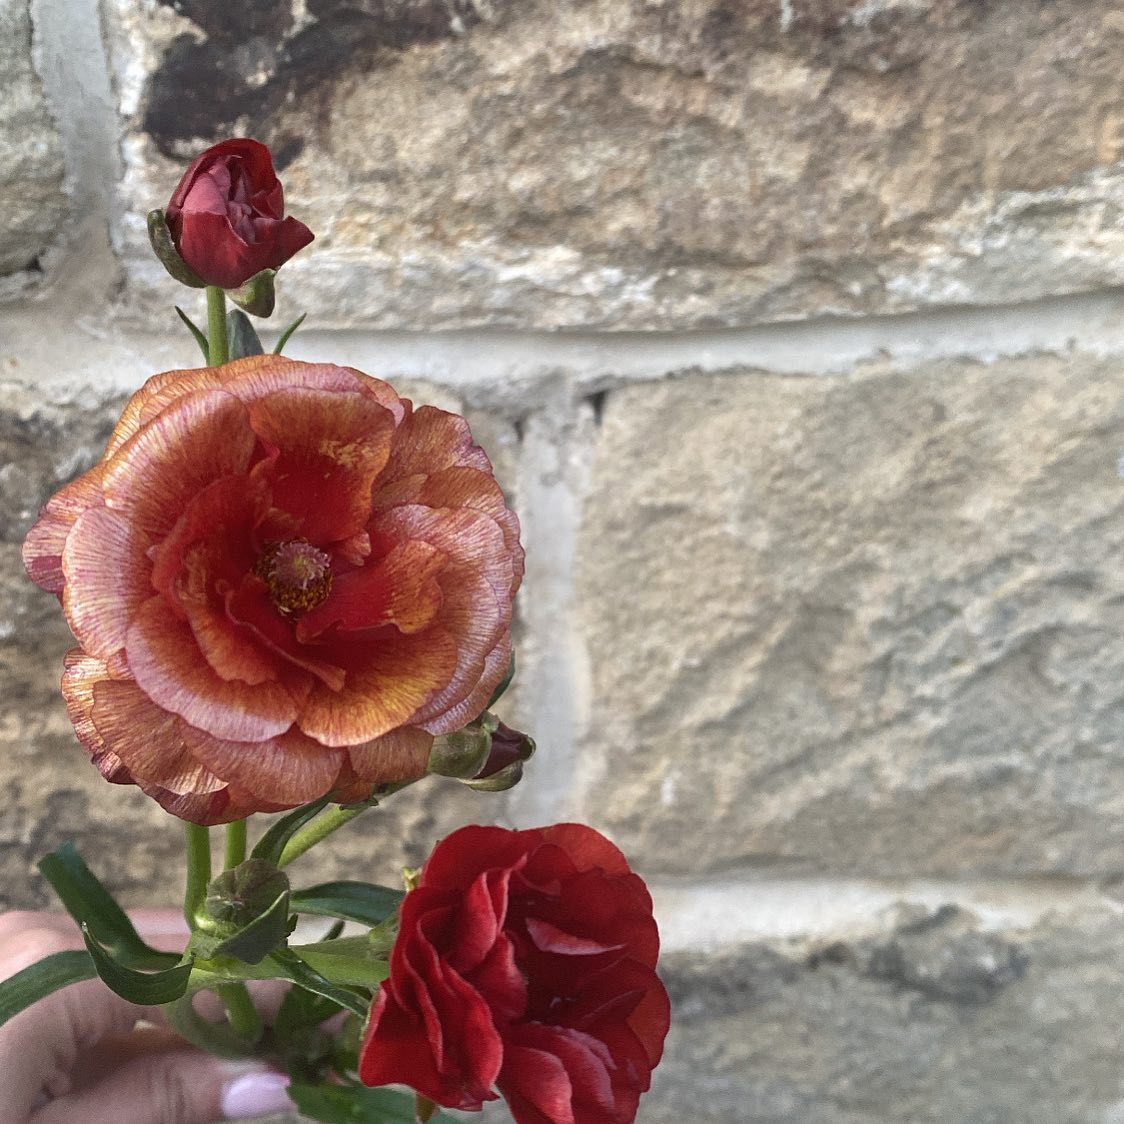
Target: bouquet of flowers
(292, 593)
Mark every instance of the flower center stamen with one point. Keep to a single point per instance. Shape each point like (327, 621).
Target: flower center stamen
(297, 574)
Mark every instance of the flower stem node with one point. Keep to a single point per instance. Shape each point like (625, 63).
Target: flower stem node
(165, 249)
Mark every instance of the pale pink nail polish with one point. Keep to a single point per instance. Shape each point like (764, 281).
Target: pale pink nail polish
(255, 1094)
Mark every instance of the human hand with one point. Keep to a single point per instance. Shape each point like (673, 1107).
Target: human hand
(80, 1057)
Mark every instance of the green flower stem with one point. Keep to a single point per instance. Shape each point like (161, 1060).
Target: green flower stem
(219, 1039)
(320, 828)
(217, 341)
(198, 871)
(240, 1009)
(235, 844)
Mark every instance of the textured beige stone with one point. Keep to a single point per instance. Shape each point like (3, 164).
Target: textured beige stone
(936, 1022)
(31, 163)
(648, 163)
(51, 792)
(864, 624)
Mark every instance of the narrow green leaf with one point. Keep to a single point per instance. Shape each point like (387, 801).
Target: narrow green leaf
(497, 694)
(351, 961)
(354, 901)
(302, 1010)
(338, 1104)
(253, 942)
(200, 338)
(149, 989)
(292, 968)
(242, 335)
(272, 843)
(37, 982)
(91, 904)
(287, 333)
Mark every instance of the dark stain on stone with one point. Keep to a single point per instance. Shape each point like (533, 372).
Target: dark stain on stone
(254, 62)
(945, 958)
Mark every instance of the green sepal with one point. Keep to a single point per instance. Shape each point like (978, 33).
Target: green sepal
(252, 943)
(61, 969)
(165, 249)
(286, 335)
(257, 295)
(498, 693)
(285, 964)
(196, 331)
(272, 843)
(348, 961)
(241, 336)
(356, 1104)
(92, 905)
(149, 989)
(354, 901)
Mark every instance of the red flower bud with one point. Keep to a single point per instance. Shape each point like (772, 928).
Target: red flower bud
(227, 215)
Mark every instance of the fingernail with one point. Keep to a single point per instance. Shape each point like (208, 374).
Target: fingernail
(256, 1094)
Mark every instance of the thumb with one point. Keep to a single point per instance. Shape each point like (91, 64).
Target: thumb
(177, 1087)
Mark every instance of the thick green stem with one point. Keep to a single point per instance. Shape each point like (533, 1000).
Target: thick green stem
(240, 1009)
(320, 828)
(219, 1039)
(218, 344)
(235, 844)
(198, 871)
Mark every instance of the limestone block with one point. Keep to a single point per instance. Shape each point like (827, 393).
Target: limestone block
(937, 1021)
(31, 161)
(51, 792)
(652, 164)
(865, 624)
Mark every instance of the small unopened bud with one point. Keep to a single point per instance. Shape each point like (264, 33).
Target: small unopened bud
(236, 897)
(257, 295)
(165, 249)
(463, 754)
(504, 767)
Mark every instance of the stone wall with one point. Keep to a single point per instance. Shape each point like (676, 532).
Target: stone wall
(793, 328)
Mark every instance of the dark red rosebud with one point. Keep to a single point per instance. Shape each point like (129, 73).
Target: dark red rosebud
(504, 766)
(525, 962)
(227, 215)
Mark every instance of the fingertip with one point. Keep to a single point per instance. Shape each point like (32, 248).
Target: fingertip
(257, 1093)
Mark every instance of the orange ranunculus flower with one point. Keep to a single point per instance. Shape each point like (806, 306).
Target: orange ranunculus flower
(284, 580)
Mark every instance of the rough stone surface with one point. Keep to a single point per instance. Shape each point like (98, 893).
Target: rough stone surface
(865, 625)
(647, 163)
(31, 164)
(937, 1021)
(51, 792)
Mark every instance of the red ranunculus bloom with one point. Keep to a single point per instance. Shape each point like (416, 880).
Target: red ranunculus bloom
(526, 961)
(285, 580)
(227, 215)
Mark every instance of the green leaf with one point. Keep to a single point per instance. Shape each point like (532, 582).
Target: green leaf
(288, 966)
(352, 961)
(252, 943)
(197, 332)
(272, 843)
(37, 982)
(149, 989)
(288, 332)
(497, 694)
(338, 1104)
(300, 1011)
(91, 904)
(243, 339)
(355, 901)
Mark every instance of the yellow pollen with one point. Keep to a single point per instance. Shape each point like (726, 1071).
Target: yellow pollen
(297, 574)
